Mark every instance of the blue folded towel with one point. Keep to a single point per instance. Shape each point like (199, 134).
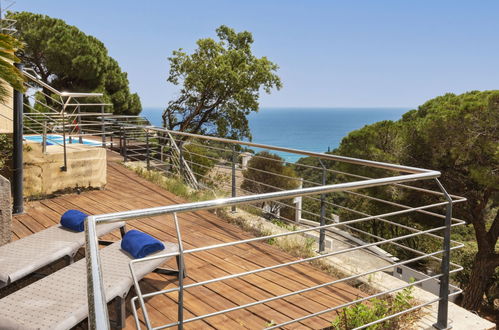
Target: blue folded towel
(74, 220)
(140, 244)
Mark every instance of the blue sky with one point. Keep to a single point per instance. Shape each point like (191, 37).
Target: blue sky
(331, 53)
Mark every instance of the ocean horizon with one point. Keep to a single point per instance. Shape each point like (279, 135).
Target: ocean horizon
(310, 129)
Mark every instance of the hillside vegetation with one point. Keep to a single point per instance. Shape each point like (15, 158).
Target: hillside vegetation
(459, 136)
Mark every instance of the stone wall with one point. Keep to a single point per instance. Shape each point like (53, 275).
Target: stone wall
(43, 175)
(5, 211)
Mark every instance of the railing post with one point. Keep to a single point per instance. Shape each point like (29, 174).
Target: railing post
(148, 161)
(80, 138)
(322, 232)
(181, 274)
(103, 126)
(181, 157)
(121, 140)
(124, 144)
(443, 303)
(65, 166)
(17, 152)
(98, 317)
(234, 191)
(44, 137)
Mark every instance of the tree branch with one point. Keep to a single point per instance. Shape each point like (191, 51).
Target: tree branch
(203, 120)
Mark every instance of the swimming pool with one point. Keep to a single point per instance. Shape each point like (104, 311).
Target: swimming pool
(53, 139)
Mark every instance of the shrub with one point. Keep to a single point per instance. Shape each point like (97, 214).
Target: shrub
(362, 313)
(267, 173)
(5, 149)
(198, 161)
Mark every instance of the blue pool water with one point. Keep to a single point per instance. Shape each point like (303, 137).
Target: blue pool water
(58, 139)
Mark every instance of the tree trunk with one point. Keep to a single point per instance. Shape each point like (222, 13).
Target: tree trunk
(482, 271)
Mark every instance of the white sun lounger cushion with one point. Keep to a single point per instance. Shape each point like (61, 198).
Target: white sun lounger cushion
(59, 301)
(24, 256)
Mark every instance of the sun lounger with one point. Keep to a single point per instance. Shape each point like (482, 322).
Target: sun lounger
(25, 256)
(59, 301)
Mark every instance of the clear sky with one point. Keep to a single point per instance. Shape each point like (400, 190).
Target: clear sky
(331, 53)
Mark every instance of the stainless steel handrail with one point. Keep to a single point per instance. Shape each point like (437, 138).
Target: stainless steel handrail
(55, 91)
(224, 202)
(97, 303)
(140, 136)
(63, 109)
(350, 160)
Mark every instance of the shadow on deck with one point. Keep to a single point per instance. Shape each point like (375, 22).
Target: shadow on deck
(126, 191)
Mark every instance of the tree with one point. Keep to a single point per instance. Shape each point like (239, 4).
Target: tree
(68, 59)
(221, 84)
(8, 72)
(267, 173)
(457, 135)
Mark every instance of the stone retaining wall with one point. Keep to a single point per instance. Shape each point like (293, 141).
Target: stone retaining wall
(42, 171)
(5, 211)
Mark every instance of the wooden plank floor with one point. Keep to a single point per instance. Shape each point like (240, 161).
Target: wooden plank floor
(126, 191)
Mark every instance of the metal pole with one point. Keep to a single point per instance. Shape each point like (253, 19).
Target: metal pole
(234, 193)
(17, 152)
(103, 127)
(181, 271)
(112, 135)
(44, 137)
(148, 161)
(98, 317)
(181, 157)
(80, 138)
(121, 140)
(124, 144)
(322, 232)
(443, 304)
(65, 166)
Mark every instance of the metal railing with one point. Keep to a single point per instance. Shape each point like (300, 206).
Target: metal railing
(70, 116)
(151, 147)
(7, 26)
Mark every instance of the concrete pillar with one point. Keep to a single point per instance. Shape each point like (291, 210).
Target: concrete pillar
(5, 211)
(298, 201)
(245, 158)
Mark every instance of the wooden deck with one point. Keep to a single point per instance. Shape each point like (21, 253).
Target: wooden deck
(126, 191)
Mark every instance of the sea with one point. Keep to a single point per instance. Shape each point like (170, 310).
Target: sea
(310, 129)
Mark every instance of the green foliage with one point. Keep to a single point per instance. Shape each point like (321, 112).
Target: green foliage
(457, 135)
(8, 72)
(267, 173)
(174, 185)
(5, 149)
(221, 84)
(68, 59)
(284, 224)
(197, 158)
(362, 313)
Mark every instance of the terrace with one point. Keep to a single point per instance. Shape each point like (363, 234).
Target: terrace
(238, 273)
(126, 191)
